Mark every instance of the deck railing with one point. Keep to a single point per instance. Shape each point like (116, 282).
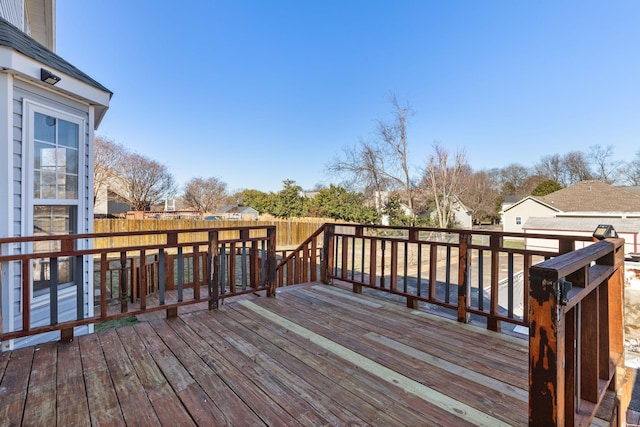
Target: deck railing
(479, 273)
(181, 267)
(576, 344)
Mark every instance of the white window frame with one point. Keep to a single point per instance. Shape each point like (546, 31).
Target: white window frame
(30, 108)
(518, 220)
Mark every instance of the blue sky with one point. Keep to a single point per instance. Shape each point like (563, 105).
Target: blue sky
(255, 92)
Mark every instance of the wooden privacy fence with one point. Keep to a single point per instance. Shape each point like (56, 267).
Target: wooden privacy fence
(227, 262)
(576, 343)
(290, 232)
(479, 273)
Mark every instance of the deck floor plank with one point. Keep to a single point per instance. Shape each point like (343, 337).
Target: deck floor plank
(164, 400)
(242, 377)
(4, 360)
(440, 386)
(72, 405)
(202, 408)
(326, 396)
(132, 397)
(461, 335)
(14, 386)
(101, 396)
(40, 407)
(314, 355)
(285, 387)
(341, 327)
(382, 395)
(206, 377)
(449, 341)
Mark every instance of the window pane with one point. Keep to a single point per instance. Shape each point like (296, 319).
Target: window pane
(47, 185)
(68, 187)
(52, 220)
(41, 223)
(67, 134)
(36, 185)
(62, 219)
(47, 156)
(44, 128)
(71, 161)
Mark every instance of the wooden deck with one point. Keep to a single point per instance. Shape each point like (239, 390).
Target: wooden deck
(315, 355)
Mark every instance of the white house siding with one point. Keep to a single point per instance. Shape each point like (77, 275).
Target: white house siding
(525, 209)
(23, 92)
(13, 11)
(627, 228)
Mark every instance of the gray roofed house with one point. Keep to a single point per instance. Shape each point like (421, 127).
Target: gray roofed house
(238, 212)
(577, 210)
(48, 125)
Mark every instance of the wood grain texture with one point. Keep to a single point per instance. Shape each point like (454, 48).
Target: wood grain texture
(314, 355)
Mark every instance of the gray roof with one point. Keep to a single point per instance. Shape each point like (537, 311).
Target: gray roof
(593, 196)
(13, 38)
(635, 189)
(237, 209)
(621, 225)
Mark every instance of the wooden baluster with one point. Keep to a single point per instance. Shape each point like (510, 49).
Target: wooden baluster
(123, 282)
(464, 269)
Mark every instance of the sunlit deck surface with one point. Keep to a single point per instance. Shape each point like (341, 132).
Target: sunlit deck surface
(314, 355)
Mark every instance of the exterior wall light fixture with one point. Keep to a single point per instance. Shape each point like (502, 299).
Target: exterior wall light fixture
(48, 77)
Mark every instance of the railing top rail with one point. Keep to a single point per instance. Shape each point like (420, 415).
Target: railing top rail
(564, 265)
(303, 244)
(465, 231)
(23, 239)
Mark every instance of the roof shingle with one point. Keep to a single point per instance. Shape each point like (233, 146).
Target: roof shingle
(593, 196)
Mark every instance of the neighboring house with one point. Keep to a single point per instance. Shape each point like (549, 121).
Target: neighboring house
(236, 212)
(577, 210)
(507, 203)
(462, 216)
(109, 197)
(515, 216)
(48, 113)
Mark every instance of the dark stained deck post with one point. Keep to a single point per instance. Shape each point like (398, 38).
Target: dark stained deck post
(326, 266)
(213, 267)
(464, 267)
(271, 261)
(546, 382)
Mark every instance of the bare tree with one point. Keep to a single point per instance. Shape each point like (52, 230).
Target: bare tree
(393, 136)
(480, 196)
(442, 182)
(381, 165)
(605, 168)
(205, 195)
(361, 168)
(146, 181)
(551, 167)
(107, 158)
(577, 168)
(513, 178)
(631, 171)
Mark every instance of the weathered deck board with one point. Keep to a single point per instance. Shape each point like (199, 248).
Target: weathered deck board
(14, 386)
(40, 407)
(339, 327)
(314, 355)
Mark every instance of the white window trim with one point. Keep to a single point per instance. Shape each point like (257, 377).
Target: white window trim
(28, 201)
